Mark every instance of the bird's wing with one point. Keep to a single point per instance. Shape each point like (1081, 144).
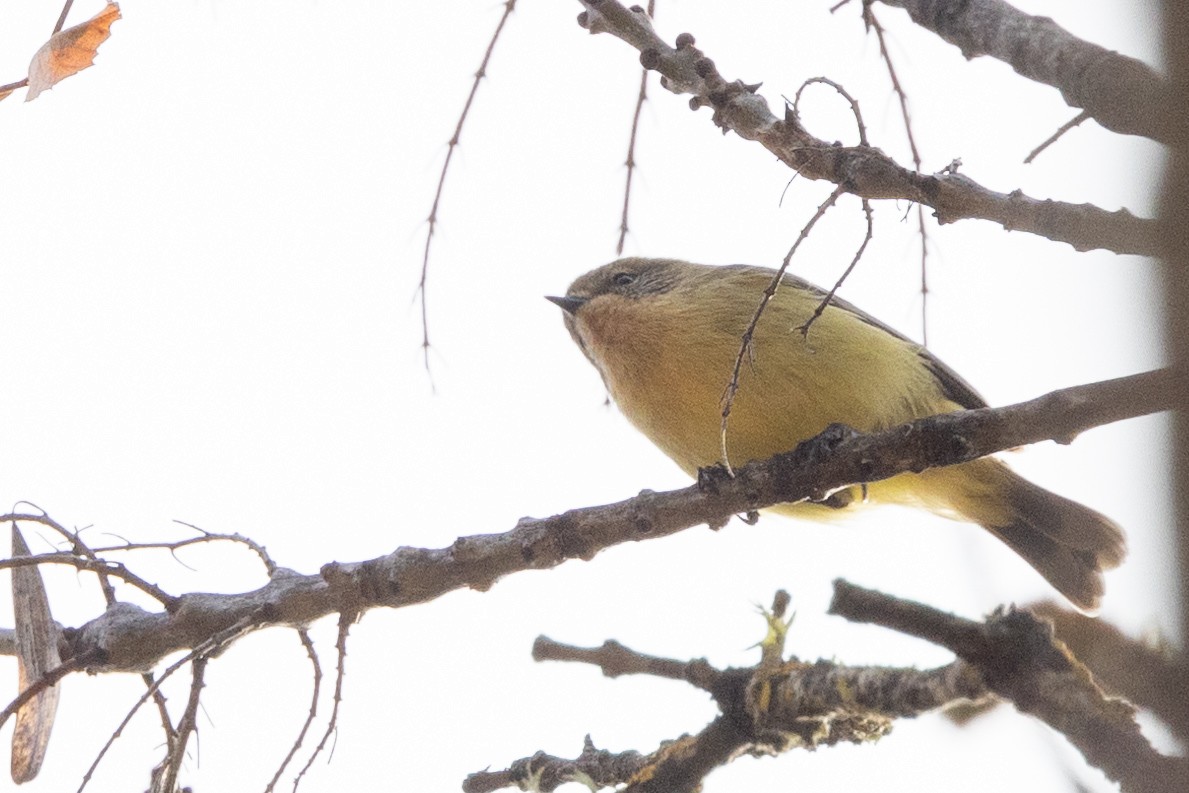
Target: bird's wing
(953, 385)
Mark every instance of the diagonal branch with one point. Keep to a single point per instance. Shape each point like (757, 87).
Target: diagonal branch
(128, 638)
(1019, 659)
(1120, 93)
(1148, 674)
(862, 170)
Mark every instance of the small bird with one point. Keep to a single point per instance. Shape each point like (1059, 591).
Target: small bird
(665, 335)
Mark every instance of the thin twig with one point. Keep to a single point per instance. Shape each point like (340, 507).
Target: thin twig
(1061, 130)
(509, 5)
(924, 275)
(204, 536)
(46, 681)
(225, 636)
(162, 704)
(167, 782)
(8, 88)
(346, 618)
(862, 129)
(630, 162)
(872, 23)
(745, 350)
(854, 104)
(825, 301)
(614, 659)
(61, 23)
(308, 644)
(98, 566)
(78, 547)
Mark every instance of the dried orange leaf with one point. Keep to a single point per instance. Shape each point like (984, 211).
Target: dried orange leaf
(69, 51)
(37, 653)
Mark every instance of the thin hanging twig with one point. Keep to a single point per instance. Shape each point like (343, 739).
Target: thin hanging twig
(452, 144)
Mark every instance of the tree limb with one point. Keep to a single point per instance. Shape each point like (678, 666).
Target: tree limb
(1019, 659)
(1148, 675)
(864, 171)
(128, 638)
(1120, 93)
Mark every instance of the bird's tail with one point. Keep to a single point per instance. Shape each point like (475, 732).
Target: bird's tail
(1067, 543)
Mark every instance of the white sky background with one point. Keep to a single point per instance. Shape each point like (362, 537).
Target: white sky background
(211, 242)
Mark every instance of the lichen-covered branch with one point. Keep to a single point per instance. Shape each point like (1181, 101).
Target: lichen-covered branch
(594, 767)
(1019, 660)
(1120, 93)
(773, 707)
(865, 171)
(782, 704)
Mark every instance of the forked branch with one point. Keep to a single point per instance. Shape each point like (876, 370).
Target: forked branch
(864, 171)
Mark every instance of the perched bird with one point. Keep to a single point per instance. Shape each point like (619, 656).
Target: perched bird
(664, 334)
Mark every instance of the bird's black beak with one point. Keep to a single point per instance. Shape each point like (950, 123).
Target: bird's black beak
(570, 305)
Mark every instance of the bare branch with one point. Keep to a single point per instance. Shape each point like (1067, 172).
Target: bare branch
(614, 660)
(630, 162)
(1120, 93)
(825, 301)
(77, 546)
(854, 105)
(45, 682)
(312, 653)
(773, 707)
(345, 620)
(162, 704)
(872, 23)
(432, 220)
(1019, 660)
(209, 645)
(728, 398)
(1150, 676)
(128, 638)
(1051, 139)
(166, 780)
(104, 567)
(863, 170)
(62, 17)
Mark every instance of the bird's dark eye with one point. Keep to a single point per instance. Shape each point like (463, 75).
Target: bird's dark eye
(623, 279)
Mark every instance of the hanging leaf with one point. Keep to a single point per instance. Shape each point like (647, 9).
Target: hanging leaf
(37, 653)
(69, 51)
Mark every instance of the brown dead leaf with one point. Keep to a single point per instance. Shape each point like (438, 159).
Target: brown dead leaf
(69, 51)
(37, 653)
